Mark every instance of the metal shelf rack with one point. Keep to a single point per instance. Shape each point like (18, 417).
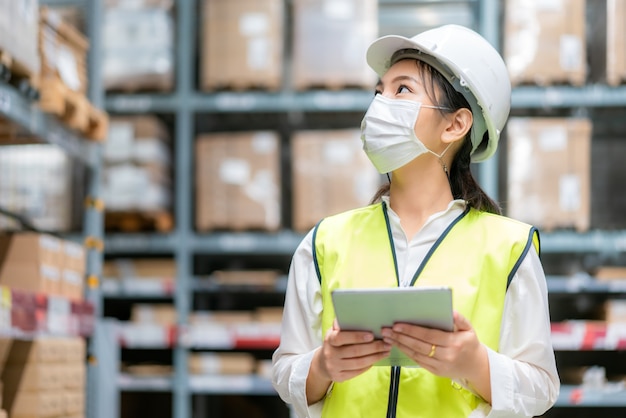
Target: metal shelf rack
(185, 103)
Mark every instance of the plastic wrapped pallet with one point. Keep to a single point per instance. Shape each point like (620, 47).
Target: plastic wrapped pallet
(330, 173)
(138, 45)
(544, 41)
(19, 23)
(237, 181)
(242, 44)
(36, 182)
(137, 159)
(616, 42)
(330, 41)
(63, 52)
(549, 172)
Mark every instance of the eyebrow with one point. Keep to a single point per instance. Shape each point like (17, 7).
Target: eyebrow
(400, 78)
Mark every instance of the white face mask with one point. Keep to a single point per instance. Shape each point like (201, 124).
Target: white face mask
(388, 133)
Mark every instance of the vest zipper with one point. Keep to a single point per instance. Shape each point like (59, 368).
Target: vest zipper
(394, 386)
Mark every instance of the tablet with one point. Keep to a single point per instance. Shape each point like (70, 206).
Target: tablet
(375, 308)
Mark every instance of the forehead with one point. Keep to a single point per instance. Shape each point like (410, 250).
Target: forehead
(406, 67)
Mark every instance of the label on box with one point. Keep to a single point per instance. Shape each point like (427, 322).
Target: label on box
(570, 52)
(68, 68)
(553, 138)
(58, 315)
(263, 143)
(569, 193)
(253, 24)
(49, 243)
(258, 57)
(235, 171)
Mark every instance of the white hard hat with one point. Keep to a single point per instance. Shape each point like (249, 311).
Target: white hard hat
(469, 62)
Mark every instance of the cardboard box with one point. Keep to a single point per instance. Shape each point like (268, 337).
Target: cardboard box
(34, 278)
(330, 174)
(154, 314)
(41, 404)
(31, 248)
(140, 268)
(72, 285)
(41, 350)
(221, 363)
(238, 181)
(549, 172)
(63, 51)
(616, 41)
(73, 402)
(30, 377)
(75, 376)
(75, 350)
(19, 22)
(545, 41)
(330, 41)
(242, 44)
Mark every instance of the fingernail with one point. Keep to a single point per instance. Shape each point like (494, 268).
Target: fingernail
(386, 333)
(368, 337)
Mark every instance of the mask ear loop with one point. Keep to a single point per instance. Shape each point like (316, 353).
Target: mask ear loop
(440, 157)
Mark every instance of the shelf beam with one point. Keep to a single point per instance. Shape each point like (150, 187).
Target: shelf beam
(45, 128)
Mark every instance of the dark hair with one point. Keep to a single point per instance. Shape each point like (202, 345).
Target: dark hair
(462, 182)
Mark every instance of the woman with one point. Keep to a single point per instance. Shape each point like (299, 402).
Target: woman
(442, 100)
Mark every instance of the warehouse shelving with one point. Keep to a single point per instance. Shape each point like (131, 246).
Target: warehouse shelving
(526, 97)
(44, 128)
(185, 103)
(24, 113)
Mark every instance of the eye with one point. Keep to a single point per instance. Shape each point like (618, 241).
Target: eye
(403, 89)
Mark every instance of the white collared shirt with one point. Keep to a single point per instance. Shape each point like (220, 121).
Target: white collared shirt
(524, 378)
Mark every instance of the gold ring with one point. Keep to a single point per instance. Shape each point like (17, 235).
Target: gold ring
(432, 351)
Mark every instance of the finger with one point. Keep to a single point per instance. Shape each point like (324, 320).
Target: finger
(461, 323)
(339, 338)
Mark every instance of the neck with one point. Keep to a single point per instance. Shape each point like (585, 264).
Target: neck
(418, 192)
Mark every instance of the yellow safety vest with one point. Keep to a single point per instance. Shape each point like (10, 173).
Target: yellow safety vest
(477, 255)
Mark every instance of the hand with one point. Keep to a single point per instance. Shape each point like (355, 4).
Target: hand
(457, 354)
(346, 354)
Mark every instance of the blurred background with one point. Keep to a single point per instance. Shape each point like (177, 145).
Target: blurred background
(160, 161)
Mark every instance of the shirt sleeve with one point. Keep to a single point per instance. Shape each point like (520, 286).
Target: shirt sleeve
(524, 377)
(301, 332)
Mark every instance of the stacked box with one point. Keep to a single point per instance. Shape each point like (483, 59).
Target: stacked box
(73, 270)
(45, 377)
(545, 42)
(36, 183)
(242, 44)
(549, 172)
(221, 363)
(138, 45)
(63, 51)
(616, 42)
(330, 173)
(139, 268)
(19, 23)
(330, 41)
(237, 181)
(137, 173)
(31, 262)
